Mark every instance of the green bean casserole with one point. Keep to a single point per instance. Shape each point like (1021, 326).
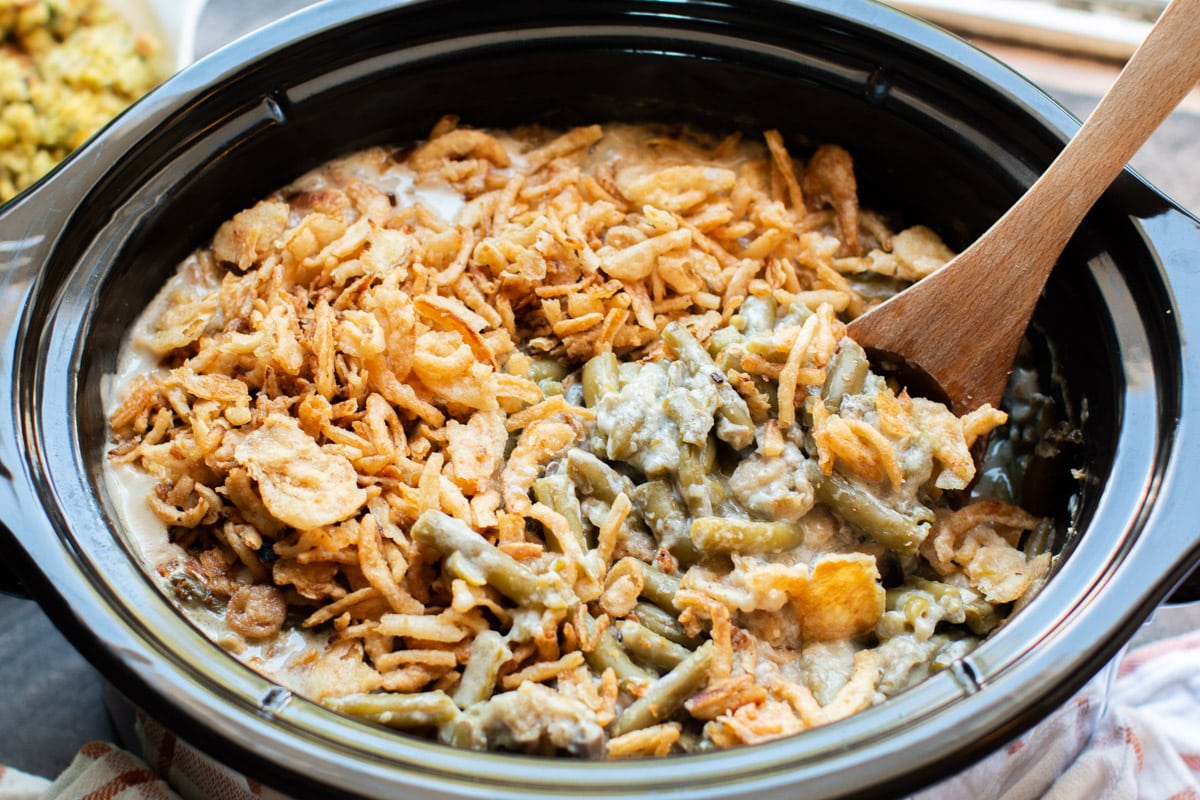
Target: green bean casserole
(553, 442)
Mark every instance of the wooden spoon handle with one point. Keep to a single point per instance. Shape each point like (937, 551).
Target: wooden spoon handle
(1158, 76)
(961, 326)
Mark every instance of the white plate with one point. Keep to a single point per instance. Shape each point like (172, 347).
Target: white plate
(172, 22)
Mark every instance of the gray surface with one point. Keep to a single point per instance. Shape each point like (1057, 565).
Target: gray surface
(50, 699)
(223, 21)
(1170, 159)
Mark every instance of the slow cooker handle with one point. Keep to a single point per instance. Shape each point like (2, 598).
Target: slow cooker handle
(29, 227)
(1188, 591)
(1174, 234)
(10, 584)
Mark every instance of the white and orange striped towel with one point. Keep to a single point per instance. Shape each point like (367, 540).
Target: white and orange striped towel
(1146, 745)
(100, 771)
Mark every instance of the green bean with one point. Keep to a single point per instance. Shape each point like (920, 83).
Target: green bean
(959, 605)
(691, 742)
(865, 511)
(648, 647)
(758, 313)
(726, 347)
(921, 611)
(729, 358)
(595, 478)
(1041, 539)
(796, 314)
(456, 565)
(666, 515)
(695, 483)
(847, 374)
(621, 443)
(558, 492)
(668, 693)
(572, 390)
(608, 653)
(971, 608)
(665, 624)
(948, 598)
(916, 605)
(940, 591)
(734, 424)
(448, 535)
(761, 346)
(893, 598)
(721, 340)
(488, 654)
(686, 408)
(981, 616)
(421, 710)
(658, 587)
(708, 456)
(601, 376)
(734, 535)
(950, 650)
(627, 427)
(547, 369)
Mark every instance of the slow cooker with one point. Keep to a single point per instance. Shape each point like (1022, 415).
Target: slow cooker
(941, 134)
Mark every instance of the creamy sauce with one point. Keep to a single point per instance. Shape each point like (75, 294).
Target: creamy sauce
(127, 486)
(128, 489)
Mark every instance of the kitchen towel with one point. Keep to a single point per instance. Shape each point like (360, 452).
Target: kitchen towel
(1145, 744)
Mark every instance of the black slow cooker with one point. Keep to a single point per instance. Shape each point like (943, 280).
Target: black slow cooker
(941, 134)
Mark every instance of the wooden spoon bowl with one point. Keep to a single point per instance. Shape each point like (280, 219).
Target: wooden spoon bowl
(954, 335)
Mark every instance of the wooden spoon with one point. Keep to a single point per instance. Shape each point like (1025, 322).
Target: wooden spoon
(962, 325)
